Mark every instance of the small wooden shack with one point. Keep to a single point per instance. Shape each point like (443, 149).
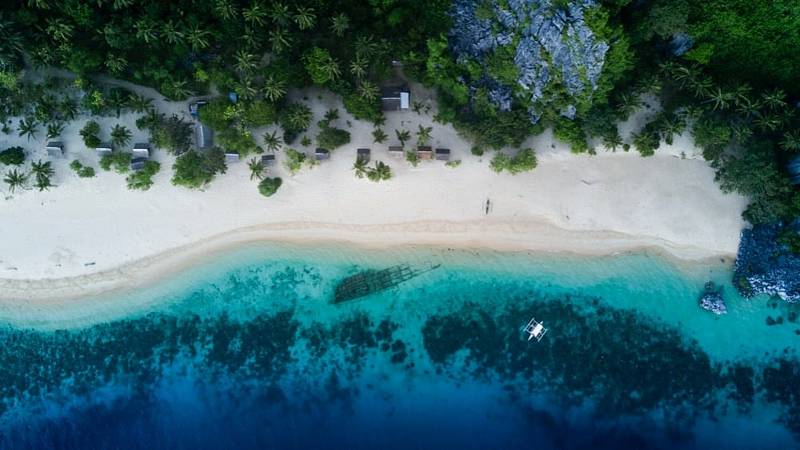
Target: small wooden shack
(395, 98)
(425, 152)
(363, 154)
(137, 164)
(204, 136)
(141, 150)
(321, 154)
(443, 154)
(55, 149)
(268, 159)
(104, 149)
(396, 151)
(231, 157)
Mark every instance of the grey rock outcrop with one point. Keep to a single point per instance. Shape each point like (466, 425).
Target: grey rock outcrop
(712, 300)
(554, 44)
(765, 266)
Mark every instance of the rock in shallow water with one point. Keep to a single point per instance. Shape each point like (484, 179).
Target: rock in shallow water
(712, 299)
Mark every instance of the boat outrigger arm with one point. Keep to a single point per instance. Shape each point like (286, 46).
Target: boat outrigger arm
(535, 330)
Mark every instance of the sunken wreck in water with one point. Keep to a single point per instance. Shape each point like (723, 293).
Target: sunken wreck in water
(371, 281)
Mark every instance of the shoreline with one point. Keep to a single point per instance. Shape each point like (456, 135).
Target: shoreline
(505, 237)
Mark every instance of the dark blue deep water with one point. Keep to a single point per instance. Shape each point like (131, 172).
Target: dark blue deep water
(248, 352)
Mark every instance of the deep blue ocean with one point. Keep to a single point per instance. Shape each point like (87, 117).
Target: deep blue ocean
(246, 350)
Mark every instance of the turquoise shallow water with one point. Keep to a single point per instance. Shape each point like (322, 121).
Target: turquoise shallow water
(246, 350)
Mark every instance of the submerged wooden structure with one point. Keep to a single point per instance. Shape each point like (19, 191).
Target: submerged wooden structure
(371, 281)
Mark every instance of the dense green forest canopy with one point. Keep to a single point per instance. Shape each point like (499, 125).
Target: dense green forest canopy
(726, 70)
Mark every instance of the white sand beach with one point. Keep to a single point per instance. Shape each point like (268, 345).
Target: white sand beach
(85, 236)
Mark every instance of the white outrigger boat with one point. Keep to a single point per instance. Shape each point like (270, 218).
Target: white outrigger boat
(535, 330)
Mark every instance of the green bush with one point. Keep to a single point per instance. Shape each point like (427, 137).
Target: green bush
(294, 160)
(413, 158)
(232, 140)
(195, 170)
(91, 134)
(119, 161)
(81, 170)
(172, 134)
(331, 138)
(646, 142)
(13, 156)
(268, 186)
(143, 179)
(523, 161)
(571, 133)
(217, 113)
(363, 109)
(259, 113)
(477, 151)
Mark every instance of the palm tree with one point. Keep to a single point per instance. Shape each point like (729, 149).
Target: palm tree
(246, 89)
(146, 30)
(274, 88)
(741, 132)
(59, 29)
(120, 135)
(28, 127)
(225, 9)
(360, 167)
(368, 91)
(380, 172)
(331, 69)
(42, 169)
(424, 135)
(791, 141)
(15, 179)
(197, 37)
(272, 142)
(339, 24)
(741, 94)
(331, 115)
(250, 37)
(700, 87)
(767, 121)
(279, 39)
(139, 103)
(299, 117)
(179, 89)
(365, 47)
(245, 61)
(402, 136)
(116, 64)
(279, 13)
(304, 17)
(121, 4)
(54, 130)
(747, 107)
(256, 169)
(378, 136)
(68, 109)
(774, 99)
(628, 103)
(255, 14)
(172, 33)
(358, 67)
(720, 99)
(612, 141)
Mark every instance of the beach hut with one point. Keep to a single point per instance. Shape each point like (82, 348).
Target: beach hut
(141, 150)
(425, 152)
(137, 164)
(395, 98)
(362, 154)
(443, 154)
(204, 136)
(396, 151)
(194, 108)
(321, 153)
(231, 157)
(103, 149)
(55, 149)
(268, 159)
